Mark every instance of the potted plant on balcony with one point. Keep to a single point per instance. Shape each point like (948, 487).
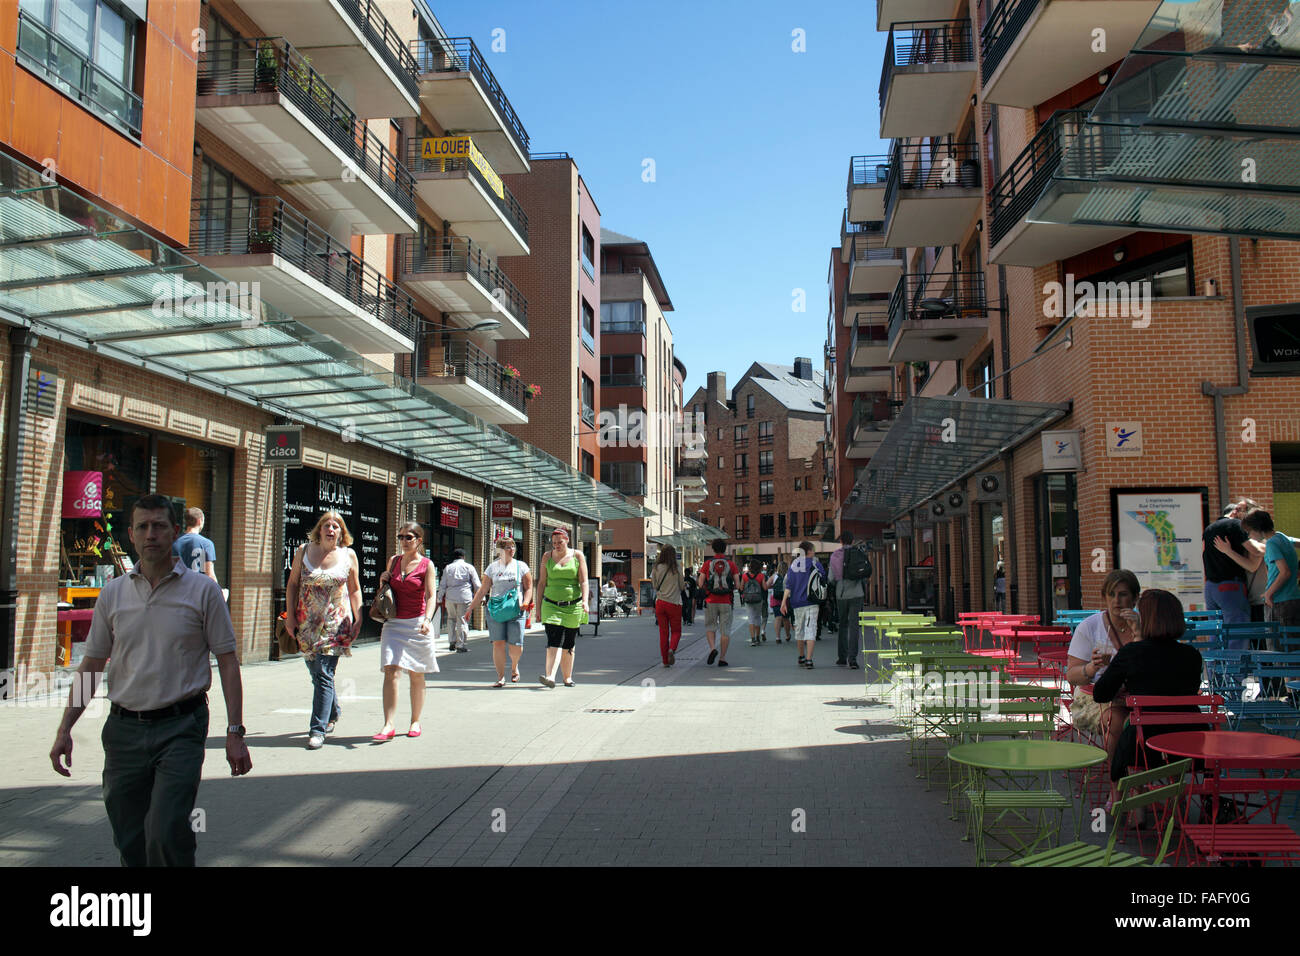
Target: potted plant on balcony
(532, 391)
(261, 240)
(268, 69)
(509, 371)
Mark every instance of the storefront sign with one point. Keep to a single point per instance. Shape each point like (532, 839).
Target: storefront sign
(615, 557)
(83, 494)
(1124, 439)
(449, 515)
(1157, 535)
(462, 147)
(283, 445)
(417, 486)
(1275, 337)
(42, 390)
(503, 509)
(1061, 451)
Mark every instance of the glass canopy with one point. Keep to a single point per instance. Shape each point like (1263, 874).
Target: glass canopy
(75, 272)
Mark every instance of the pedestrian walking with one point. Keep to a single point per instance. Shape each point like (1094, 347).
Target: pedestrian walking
(688, 596)
(325, 592)
(406, 642)
(1225, 577)
(159, 622)
(455, 591)
(1000, 589)
(508, 588)
(850, 569)
(669, 586)
(563, 583)
(781, 618)
(717, 581)
(753, 595)
(198, 552)
(804, 591)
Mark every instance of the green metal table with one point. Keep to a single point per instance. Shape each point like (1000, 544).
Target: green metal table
(1014, 763)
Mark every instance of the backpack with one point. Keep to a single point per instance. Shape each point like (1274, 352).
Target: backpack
(778, 590)
(857, 566)
(816, 584)
(753, 592)
(720, 580)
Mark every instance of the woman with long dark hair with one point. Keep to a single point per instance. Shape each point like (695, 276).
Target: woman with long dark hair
(407, 639)
(667, 580)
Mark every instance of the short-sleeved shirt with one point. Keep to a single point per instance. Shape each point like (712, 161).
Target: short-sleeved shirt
(796, 580)
(1090, 634)
(506, 578)
(1218, 566)
(159, 637)
(1277, 552)
(194, 550)
(708, 570)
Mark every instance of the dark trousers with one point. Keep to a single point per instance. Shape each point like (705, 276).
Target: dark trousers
(849, 637)
(151, 780)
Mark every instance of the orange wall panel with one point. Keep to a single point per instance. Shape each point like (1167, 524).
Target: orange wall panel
(8, 25)
(185, 20)
(177, 223)
(153, 188)
(162, 17)
(120, 181)
(180, 139)
(157, 92)
(36, 117)
(6, 96)
(81, 142)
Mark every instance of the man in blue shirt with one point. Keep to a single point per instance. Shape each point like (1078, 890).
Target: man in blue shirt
(195, 551)
(1282, 596)
(804, 604)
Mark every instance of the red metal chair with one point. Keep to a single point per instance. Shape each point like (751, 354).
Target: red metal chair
(1241, 838)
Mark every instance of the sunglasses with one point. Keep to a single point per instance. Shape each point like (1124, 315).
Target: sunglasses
(407, 537)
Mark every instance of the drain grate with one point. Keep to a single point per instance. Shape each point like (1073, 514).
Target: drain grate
(607, 710)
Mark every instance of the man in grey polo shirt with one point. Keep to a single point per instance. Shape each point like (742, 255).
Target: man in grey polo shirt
(158, 622)
(456, 590)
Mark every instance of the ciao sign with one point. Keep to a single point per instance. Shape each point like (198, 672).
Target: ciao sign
(450, 515)
(83, 494)
(283, 445)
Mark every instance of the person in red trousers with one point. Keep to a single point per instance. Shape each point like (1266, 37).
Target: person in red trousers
(667, 580)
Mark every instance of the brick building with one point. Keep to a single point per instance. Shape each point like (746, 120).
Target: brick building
(764, 464)
(1090, 321)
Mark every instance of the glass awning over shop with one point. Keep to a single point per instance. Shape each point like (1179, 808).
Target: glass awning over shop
(1198, 131)
(694, 535)
(74, 272)
(936, 441)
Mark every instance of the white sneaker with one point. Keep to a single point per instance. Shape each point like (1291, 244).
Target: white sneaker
(315, 741)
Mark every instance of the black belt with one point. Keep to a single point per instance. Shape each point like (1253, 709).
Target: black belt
(563, 603)
(187, 706)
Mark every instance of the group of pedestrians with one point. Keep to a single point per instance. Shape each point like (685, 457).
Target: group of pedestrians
(1250, 568)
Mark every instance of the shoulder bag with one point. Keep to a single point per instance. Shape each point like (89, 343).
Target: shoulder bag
(505, 607)
(384, 606)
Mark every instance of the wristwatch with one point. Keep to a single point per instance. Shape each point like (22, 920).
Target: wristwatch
(236, 729)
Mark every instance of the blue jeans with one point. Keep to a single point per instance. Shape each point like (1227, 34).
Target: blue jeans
(324, 700)
(1229, 597)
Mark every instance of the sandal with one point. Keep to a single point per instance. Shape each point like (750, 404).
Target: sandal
(501, 682)
(569, 683)
(514, 679)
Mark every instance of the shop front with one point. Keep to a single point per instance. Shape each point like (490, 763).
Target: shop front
(451, 525)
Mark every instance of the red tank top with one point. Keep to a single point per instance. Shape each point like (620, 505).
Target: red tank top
(408, 591)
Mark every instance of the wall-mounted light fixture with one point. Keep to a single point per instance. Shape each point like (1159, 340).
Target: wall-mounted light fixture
(1119, 253)
(1103, 77)
(979, 225)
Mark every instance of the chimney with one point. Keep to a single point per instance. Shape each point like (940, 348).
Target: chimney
(803, 369)
(717, 388)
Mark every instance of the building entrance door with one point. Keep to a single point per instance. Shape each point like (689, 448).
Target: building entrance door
(1057, 524)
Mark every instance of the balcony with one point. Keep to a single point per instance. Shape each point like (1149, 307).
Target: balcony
(352, 44)
(70, 72)
(695, 495)
(933, 196)
(467, 193)
(866, 190)
(850, 229)
(691, 474)
(741, 503)
(937, 318)
(868, 425)
(1030, 49)
(623, 380)
(928, 78)
(467, 376)
(297, 267)
(868, 352)
(266, 103)
(889, 11)
(873, 266)
(459, 277)
(461, 93)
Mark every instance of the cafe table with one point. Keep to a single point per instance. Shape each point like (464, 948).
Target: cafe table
(1002, 776)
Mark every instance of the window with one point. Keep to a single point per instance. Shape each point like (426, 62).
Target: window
(1169, 272)
(742, 496)
(826, 516)
(742, 465)
(809, 521)
(722, 462)
(742, 527)
(765, 433)
(620, 317)
(721, 432)
(225, 209)
(588, 253)
(699, 413)
(780, 525)
(766, 526)
(794, 524)
(626, 477)
(982, 386)
(622, 370)
(765, 492)
(588, 327)
(798, 484)
(765, 463)
(588, 464)
(742, 433)
(587, 400)
(749, 405)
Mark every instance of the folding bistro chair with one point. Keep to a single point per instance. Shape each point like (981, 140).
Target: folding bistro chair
(1242, 839)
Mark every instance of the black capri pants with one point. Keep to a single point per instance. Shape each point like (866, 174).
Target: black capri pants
(557, 635)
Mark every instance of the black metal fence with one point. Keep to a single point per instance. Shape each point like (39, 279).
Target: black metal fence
(460, 55)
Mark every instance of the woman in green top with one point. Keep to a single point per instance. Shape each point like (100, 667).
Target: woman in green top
(563, 584)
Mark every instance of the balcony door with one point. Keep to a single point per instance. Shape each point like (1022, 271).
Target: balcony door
(225, 212)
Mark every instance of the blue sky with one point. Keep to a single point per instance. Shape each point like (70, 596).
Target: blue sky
(751, 143)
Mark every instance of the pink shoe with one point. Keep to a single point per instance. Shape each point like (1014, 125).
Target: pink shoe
(381, 736)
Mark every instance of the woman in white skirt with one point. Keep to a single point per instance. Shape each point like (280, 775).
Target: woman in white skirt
(407, 639)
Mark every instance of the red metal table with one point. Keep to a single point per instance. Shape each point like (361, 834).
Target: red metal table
(1225, 745)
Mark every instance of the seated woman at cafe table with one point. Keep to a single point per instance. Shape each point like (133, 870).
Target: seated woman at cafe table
(1158, 664)
(1097, 639)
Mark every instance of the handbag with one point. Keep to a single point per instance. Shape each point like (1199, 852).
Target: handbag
(383, 606)
(287, 644)
(1085, 713)
(505, 607)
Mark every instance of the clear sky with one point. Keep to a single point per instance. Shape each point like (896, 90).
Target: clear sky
(750, 142)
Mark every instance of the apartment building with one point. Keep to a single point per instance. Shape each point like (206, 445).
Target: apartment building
(764, 440)
(1088, 335)
(221, 218)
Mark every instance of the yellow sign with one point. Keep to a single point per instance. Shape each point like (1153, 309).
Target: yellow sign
(462, 147)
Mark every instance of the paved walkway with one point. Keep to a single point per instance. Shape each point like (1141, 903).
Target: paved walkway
(758, 763)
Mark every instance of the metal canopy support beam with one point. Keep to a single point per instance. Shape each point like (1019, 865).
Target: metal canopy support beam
(136, 334)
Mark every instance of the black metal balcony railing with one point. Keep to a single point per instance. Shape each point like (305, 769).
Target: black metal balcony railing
(999, 32)
(1017, 189)
(868, 171)
(384, 39)
(740, 472)
(460, 55)
(461, 255)
(691, 469)
(765, 533)
(931, 166)
(507, 204)
(633, 327)
(271, 64)
(923, 42)
(869, 247)
(867, 334)
(936, 296)
(624, 380)
(266, 224)
(70, 70)
(465, 359)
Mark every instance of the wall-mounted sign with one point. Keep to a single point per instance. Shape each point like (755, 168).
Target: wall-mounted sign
(83, 494)
(1061, 451)
(449, 515)
(1156, 534)
(283, 445)
(502, 509)
(462, 147)
(42, 390)
(1275, 339)
(1124, 439)
(417, 486)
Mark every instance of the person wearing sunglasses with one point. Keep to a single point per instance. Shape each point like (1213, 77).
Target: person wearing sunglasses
(406, 643)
